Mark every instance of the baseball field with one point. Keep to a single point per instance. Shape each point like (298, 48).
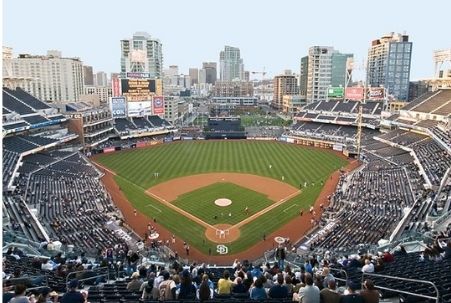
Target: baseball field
(177, 185)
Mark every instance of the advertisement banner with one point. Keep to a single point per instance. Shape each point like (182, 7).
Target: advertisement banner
(139, 109)
(108, 150)
(354, 93)
(116, 86)
(138, 89)
(118, 107)
(335, 92)
(375, 93)
(158, 105)
(137, 75)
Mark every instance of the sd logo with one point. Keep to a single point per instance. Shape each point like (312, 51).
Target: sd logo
(222, 249)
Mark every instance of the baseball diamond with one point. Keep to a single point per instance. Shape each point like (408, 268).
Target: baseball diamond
(176, 184)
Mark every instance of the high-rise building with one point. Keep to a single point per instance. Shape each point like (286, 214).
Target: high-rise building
(324, 67)
(52, 77)
(247, 75)
(211, 72)
(88, 76)
(285, 84)
(341, 64)
(389, 60)
(194, 75)
(303, 78)
(101, 79)
(203, 76)
(142, 53)
(231, 64)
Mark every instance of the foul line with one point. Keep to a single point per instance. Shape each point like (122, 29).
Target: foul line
(103, 167)
(179, 210)
(263, 211)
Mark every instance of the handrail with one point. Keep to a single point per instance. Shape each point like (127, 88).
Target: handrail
(107, 274)
(341, 271)
(407, 280)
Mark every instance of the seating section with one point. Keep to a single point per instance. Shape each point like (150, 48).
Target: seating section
(28, 99)
(14, 105)
(35, 119)
(438, 102)
(10, 160)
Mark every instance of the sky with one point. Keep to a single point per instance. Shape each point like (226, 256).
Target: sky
(270, 34)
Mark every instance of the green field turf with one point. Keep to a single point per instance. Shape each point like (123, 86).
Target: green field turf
(200, 203)
(297, 164)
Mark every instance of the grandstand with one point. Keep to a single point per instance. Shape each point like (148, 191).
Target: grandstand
(55, 202)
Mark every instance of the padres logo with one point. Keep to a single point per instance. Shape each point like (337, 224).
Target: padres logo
(222, 249)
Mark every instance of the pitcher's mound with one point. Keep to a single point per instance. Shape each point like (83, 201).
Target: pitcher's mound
(223, 202)
(222, 233)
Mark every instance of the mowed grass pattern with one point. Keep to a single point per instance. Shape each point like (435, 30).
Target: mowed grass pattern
(297, 164)
(200, 203)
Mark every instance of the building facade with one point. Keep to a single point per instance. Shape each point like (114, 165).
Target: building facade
(303, 76)
(194, 75)
(88, 75)
(235, 88)
(211, 72)
(231, 64)
(286, 84)
(52, 77)
(142, 54)
(389, 60)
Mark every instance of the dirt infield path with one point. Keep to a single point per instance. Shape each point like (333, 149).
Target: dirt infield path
(274, 189)
(295, 229)
(168, 191)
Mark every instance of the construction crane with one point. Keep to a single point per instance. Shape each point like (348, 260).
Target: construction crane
(263, 73)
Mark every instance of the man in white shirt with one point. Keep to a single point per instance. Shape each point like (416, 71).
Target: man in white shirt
(368, 267)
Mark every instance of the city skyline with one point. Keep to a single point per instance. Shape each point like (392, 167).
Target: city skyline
(350, 28)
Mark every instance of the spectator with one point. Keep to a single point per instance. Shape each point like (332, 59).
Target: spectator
(8, 292)
(44, 296)
(309, 293)
(388, 257)
(257, 292)
(46, 265)
(19, 294)
(280, 256)
(72, 295)
(135, 284)
(205, 292)
(166, 288)
(369, 292)
(350, 295)
(330, 294)
(187, 289)
(278, 291)
(147, 287)
(289, 284)
(368, 267)
(327, 277)
(225, 284)
(239, 287)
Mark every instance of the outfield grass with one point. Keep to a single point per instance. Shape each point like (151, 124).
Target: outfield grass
(297, 164)
(200, 203)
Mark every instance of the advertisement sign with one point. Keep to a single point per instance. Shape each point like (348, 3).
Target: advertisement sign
(375, 93)
(108, 150)
(138, 89)
(336, 92)
(116, 86)
(137, 75)
(118, 107)
(354, 93)
(139, 109)
(158, 105)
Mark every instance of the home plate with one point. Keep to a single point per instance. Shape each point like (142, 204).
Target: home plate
(223, 202)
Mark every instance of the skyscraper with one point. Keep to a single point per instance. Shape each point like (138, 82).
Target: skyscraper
(389, 60)
(142, 54)
(194, 75)
(231, 64)
(101, 79)
(88, 76)
(211, 72)
(324, 67)
(285, 84)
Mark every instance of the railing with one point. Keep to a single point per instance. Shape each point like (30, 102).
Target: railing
(436, 298)
(99, 275)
